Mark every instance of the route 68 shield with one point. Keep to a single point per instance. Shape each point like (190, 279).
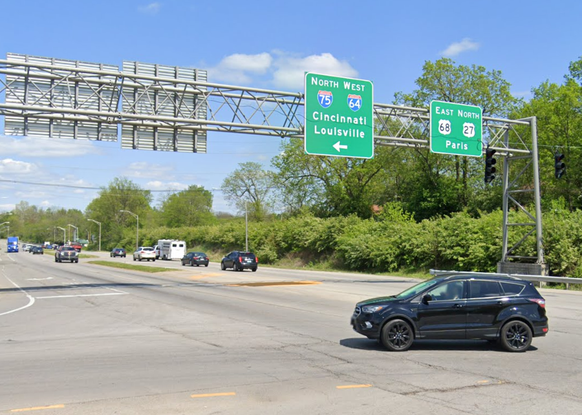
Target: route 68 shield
(354, 102)
(325, 98)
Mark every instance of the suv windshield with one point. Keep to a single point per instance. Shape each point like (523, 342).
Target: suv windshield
(417, 289)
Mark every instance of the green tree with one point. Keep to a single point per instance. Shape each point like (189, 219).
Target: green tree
(558, 109)
(249, 189)
(190, 207)
(331, 186)
(443, 184)
(120, 194)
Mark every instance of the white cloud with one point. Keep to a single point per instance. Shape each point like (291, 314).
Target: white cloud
(32, 194)
(9, 166)
(159, 185)
(234, 68)
(45, 204)
(457, 48)
(145, 170)
(45, 147)
(278, 69)
(152, 8)
(7, 207)
(291, 70)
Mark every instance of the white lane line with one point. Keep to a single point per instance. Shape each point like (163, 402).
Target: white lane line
(30, 297)
(78, 295)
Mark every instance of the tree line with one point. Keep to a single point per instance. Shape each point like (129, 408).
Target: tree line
(423, 185)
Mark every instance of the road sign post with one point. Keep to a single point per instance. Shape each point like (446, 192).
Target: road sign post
(339, 116)
(456, 129)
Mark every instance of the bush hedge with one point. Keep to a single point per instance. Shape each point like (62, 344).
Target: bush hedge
(390, 242)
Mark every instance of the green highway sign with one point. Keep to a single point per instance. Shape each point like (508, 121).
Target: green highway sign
(339, 116)
(456, 129)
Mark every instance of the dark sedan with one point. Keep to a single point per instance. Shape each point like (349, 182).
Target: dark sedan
(37, 250)
(498, 309)
(195, 258)
(118, 252)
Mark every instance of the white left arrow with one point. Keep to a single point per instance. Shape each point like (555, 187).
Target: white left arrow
(338, 146)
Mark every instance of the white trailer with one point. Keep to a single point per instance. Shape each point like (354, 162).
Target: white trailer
(171, 249)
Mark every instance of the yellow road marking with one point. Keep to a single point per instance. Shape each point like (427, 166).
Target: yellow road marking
(273, 284)
(354, 386)
(211, 395)
(483, 381)
(197, 277)
(38, 408)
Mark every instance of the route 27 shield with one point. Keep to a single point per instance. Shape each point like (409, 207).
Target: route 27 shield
(354, 102)
(325, 98)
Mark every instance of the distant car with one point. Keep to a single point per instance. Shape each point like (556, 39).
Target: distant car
(66, 253)
(195, 258)
(26, 247)
(118, 252)
(238, 261)
(77, 246)
(144, 252)
(157, 251)
(498, 309)
(37, 250)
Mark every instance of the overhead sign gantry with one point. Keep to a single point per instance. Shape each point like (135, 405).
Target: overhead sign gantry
(165, 108)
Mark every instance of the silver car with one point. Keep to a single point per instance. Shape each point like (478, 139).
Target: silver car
(144, 252)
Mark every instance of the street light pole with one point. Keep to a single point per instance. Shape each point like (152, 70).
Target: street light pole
(75, 235)
(7, 228)
(246, 228)
(136, 228)
(64, 234)
(98, 223)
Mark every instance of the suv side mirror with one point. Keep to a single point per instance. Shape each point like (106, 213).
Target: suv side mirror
(426, 298)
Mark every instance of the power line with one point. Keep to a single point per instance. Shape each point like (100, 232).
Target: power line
(70, 186)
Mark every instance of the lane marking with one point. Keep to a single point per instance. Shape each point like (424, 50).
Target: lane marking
(38, 408)
(483, 382)
(78, 295)
(208, 275)
(40, 279)
(354, 386)
(30, 297)
(211, 395)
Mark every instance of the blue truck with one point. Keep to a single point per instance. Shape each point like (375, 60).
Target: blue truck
(12, 244)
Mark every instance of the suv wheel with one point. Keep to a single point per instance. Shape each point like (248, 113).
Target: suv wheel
(234, 266)
(222, 267)
(516, 336)
(397, 335)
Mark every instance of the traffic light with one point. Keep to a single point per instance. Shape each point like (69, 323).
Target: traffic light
(559, 165)
(489, 165)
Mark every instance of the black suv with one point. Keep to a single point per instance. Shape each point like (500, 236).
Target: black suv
(504, 309)
(238, 261)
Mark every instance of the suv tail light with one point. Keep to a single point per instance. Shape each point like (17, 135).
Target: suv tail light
(257, 258)
(540, 301)
(239, 259)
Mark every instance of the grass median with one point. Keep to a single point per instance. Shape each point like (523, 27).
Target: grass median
(142, 268)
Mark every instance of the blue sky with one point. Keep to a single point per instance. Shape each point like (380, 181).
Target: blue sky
(266, 44)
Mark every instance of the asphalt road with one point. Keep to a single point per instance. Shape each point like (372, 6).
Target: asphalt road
(86, 339)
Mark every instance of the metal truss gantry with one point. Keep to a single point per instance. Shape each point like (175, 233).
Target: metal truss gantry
(164, 108)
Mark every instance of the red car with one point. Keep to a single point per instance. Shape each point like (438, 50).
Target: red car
(77, 246)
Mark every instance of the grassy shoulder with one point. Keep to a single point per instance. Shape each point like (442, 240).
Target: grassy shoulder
(142, 268)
